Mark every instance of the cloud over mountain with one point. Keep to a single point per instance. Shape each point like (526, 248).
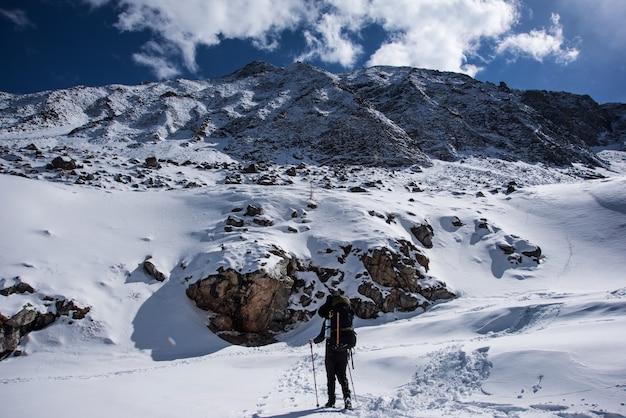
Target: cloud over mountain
(442, 35)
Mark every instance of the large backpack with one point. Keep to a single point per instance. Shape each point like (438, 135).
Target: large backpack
(342, 333)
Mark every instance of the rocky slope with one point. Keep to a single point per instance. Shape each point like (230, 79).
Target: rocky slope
(382, 116)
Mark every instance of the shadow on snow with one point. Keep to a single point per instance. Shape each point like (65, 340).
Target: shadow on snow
(169, 324)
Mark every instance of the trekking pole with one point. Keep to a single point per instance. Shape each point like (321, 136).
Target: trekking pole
(350, 372)
(317, 401)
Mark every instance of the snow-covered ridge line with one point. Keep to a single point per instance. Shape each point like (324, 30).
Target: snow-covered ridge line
(381, 116)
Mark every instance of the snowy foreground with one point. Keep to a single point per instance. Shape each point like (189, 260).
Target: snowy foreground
(531, 341)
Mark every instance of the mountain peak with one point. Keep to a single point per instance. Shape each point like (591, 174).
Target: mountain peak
(255, 68)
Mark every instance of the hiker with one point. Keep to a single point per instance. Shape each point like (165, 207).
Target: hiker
(340, 338)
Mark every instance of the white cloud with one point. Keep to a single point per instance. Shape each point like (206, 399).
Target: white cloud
(154, 56)
(540, 44)
(330, 42)
(441, 34)
(18, 17)
(422, 33)
(188, 24)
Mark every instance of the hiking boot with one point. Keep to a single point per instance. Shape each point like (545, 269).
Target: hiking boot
(348, 403)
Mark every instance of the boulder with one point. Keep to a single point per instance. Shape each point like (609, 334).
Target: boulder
(253, 210)
(234, 221)
(252, 169)
(152, 271)
(152, 162)
(424, 234)
(263, 222)
(63, 163)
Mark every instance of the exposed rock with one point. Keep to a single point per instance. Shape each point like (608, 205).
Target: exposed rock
(380, 116)
(357, 189)
(252, 308)
(263, 222)
(534, 254)
(152, 271)
(252, 169)
(233, 179)
(457, 222)
(324, 274)
(506, 248)
(389, 269)
(424, 234)
(63, 163)
(267, 180)
(27, 320)
(398, 300)
(511, 187)
(20, 287)
(409, 289)
(65, 307)
(482, 223)
(152, 162)
(234, 221)
(365, 309)
(253, 305)
(253, 210)
(369, 290)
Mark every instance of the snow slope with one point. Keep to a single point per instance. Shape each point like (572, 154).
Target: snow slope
(520, 340)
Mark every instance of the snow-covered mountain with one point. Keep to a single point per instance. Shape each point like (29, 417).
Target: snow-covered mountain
(382, 116)
(500, 213)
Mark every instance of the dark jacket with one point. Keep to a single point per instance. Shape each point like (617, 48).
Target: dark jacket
(326, 311)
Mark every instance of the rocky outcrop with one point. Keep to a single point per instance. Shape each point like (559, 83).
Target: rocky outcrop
(28, 319)
(249, 308)
(253, 308)
(399, 272)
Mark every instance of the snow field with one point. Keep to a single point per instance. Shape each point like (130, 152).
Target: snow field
(521, 340)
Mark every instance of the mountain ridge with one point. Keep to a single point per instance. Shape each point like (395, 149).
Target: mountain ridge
(379, 116)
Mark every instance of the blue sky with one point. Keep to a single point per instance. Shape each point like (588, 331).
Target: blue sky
(565, 45)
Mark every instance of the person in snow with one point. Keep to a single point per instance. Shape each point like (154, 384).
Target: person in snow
(340, 338)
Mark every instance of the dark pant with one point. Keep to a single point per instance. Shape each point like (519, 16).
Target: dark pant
(336, 364)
